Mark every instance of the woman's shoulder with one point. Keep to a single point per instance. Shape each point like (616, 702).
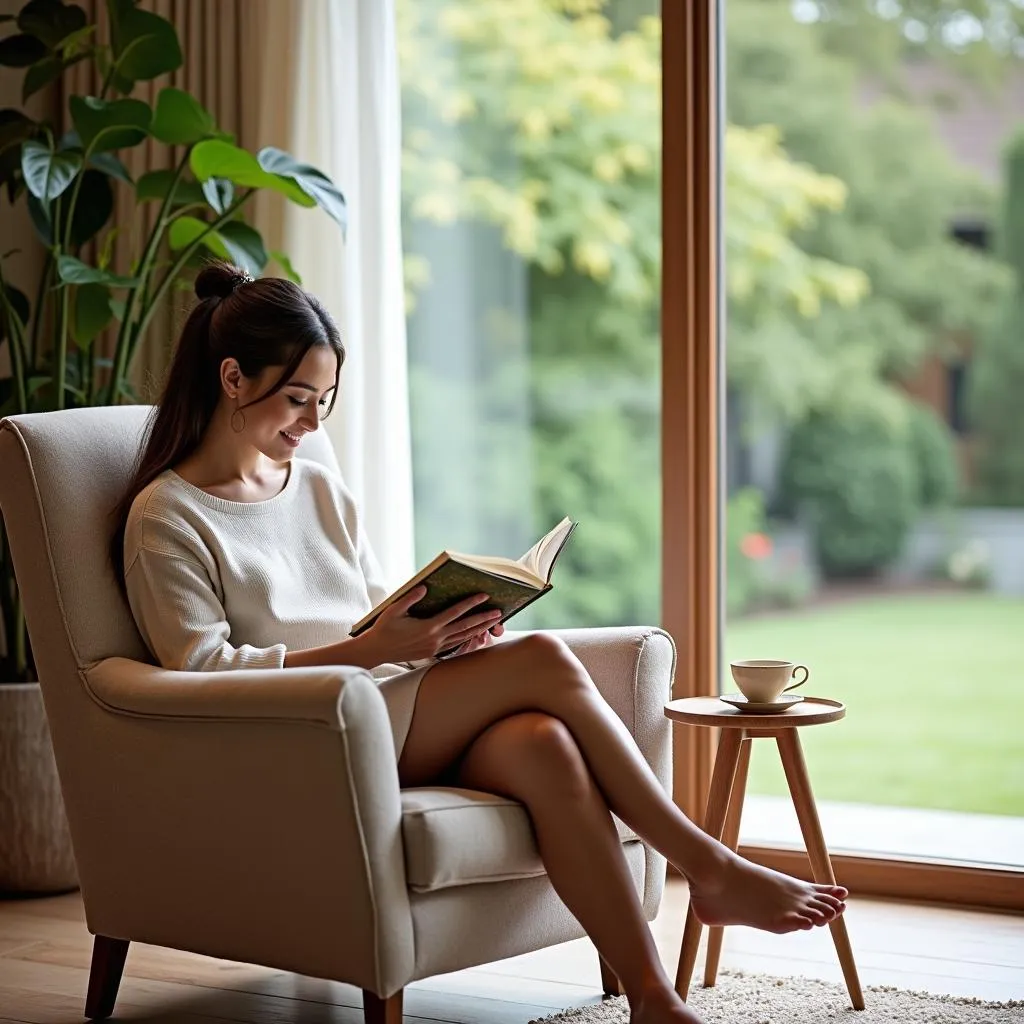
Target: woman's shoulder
(162, 516)
(160, 496)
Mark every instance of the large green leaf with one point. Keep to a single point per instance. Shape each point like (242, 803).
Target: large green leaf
(145, 45)
(93, 207)
(21, 51)
(48, 174)
(185, 230)
(234, 241)
(48, 70)
(40, 217)
(153, 185)
(180, 119)
(74, 271)
(77, 42)
(109, 164)
(245, 246)
(50, 21)
(91, 312)
(14, 127)
(286, 265)
(314, 183)
(92, 210)
(40, 75)
(109, 124)
(19, 303)
(215, 158)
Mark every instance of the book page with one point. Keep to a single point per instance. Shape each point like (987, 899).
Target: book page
(541, 557)
(508, 567)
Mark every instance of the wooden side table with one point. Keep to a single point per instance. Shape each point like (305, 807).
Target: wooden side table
(725, 806)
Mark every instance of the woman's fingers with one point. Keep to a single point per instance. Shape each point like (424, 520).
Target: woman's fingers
(473, 624)
(404, 603)
(457, 610)
(465, 633)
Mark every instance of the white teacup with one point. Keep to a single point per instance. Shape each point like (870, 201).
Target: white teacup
(764, 681)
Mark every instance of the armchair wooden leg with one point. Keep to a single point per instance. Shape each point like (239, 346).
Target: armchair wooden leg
(382, 1011)
(104, 976)
(609, 979)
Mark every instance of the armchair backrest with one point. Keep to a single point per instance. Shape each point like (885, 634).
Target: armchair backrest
(61, 473)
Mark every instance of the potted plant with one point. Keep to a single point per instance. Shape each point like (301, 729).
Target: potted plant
(68, 180)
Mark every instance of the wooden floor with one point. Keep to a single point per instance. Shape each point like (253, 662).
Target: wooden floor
(45, 949)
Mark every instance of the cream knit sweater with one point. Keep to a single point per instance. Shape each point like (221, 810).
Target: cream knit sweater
(218, 584)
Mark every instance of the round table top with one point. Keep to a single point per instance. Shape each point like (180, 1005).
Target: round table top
(712, 711)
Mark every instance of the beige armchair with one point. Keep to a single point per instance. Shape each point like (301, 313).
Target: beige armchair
(256, 815)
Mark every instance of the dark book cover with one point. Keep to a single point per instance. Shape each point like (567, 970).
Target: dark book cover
(452, 581)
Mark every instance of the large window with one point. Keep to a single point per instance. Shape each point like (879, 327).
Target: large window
(531, 222)
(875, 509)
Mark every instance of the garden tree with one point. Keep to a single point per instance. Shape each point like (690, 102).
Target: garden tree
(902, 192)
(542, 125)
(979, 37)
(997, 369)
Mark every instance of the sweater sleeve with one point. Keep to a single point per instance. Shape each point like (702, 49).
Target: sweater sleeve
(181, 618)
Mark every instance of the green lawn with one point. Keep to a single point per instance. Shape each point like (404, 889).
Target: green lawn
(934, 690)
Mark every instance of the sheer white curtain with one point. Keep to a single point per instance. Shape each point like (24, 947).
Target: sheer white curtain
(346, 121)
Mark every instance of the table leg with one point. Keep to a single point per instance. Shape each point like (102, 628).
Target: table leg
(714, 820)
(821, 865)
(731, 838)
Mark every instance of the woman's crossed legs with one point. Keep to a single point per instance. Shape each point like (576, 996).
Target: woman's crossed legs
(524, 719)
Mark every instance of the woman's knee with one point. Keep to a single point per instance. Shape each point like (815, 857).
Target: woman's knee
(549, 656)
(532, 749)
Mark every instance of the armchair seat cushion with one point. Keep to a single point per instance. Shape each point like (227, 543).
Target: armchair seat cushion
(461, 836)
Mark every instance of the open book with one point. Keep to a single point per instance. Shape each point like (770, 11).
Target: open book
(511, 583)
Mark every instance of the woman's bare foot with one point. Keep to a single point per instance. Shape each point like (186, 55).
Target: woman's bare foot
(740, 892)
(661, 1007)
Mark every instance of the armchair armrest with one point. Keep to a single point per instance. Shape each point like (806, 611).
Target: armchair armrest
(313, 695)
(252, 814)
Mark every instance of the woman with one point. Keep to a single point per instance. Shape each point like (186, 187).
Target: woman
(236, 553)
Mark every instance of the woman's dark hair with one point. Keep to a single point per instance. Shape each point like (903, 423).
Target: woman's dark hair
(261, 323)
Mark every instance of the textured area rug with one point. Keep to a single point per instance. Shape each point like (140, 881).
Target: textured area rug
(739, 998)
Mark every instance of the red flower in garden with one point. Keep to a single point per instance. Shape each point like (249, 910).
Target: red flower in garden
(756, 546)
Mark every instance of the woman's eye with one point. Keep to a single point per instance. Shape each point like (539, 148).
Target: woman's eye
(295, 401)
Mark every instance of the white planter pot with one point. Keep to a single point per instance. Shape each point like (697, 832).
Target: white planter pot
(35, 846)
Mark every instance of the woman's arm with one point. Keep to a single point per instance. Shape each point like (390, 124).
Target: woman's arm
(360, 651)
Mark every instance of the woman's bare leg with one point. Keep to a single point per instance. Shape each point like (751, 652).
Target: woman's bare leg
(533, 758)
(460, 698)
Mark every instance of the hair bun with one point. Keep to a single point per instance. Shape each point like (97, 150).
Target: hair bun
(220, 279)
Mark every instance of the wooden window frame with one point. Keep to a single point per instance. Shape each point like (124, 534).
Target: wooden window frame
(691, 453)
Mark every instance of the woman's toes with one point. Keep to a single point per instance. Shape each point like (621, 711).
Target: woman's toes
(828, 911)
(838, 891)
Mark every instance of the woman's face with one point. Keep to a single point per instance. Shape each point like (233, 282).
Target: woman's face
(277, 424)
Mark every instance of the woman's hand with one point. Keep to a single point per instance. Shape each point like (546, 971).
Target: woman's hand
(398, 636)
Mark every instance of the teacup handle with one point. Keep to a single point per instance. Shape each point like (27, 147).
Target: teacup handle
(799, 682)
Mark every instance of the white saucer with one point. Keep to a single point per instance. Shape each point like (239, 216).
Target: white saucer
(784, 703)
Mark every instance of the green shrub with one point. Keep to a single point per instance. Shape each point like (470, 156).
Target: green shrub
(933, 451)
(856, 480)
